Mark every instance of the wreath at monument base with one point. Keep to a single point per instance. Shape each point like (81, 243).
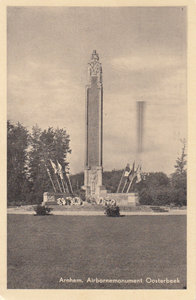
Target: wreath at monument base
(70, 201)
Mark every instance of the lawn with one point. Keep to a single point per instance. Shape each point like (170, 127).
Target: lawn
(45, 251)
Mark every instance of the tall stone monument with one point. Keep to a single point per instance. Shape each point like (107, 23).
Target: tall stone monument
(94, 130)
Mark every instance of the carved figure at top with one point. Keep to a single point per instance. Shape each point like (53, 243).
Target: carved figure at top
(94, 67)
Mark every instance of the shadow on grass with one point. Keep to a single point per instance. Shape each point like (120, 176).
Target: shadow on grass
(121, 216)
(35, 215)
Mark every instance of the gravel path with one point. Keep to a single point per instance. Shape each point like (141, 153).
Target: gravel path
(96, 213)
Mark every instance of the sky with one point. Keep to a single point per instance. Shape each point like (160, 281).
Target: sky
(143, 56)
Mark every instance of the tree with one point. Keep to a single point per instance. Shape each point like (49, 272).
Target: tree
(77, 181)
(17, 143)
(45, 145)
(111, 179)
(179, 179)
(154, 190)
(181, 161)
(158, 195)
(153, 179)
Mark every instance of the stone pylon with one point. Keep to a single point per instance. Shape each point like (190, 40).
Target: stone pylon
(94, 129)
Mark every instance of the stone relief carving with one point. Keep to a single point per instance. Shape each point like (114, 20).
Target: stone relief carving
(93, 180)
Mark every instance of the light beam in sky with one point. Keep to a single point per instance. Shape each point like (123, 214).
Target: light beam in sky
(140, 125)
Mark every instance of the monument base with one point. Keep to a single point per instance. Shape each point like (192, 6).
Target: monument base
(51, 198)
(125, 199)
(100, 192)
(93, 182)
(122, 199)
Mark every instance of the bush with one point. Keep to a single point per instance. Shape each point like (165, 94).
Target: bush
(160, 195)
(112, 211)
(42, 210)
(163, 196)
(179, 197)
(179, 189)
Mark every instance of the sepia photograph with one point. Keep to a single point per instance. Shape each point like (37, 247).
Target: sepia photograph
(97, 147)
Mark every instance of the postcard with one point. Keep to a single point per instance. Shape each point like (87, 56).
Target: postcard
(98, 135)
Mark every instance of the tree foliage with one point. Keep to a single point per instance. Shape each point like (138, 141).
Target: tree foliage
(181, 160)
(111, 180)
(154, 190)
(77, 181)
(17, 143)
(179, 178)
(158, 189)
(28, 157)
(45, 145)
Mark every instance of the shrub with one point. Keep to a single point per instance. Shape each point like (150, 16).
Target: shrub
(160, 195)
(112, 211)
(178, 197)
(42, 210)
(164, 195)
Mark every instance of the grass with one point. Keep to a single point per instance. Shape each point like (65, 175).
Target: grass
(43, 249)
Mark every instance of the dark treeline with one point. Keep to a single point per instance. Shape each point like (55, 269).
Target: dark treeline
(28, 158)
(110, 180)
(156, 189)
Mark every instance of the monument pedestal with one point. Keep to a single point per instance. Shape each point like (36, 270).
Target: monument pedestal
(93, 182)
(51, 198)
(48, 198)
(125, 199)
